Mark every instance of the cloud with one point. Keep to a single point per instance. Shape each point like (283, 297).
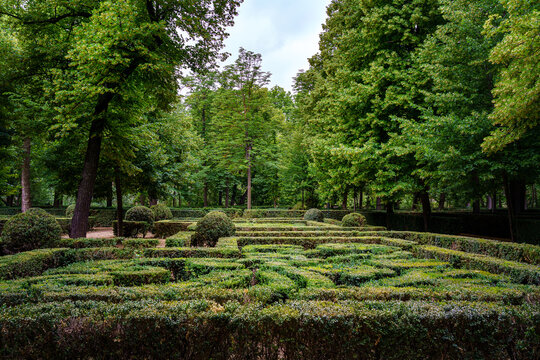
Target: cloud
(285, 33)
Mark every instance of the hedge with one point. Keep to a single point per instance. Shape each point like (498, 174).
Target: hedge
(181, 239)
(312, 242)
(165, 228)
(294, 330)
(519, 272)
(505, 250)
(88, 243)
(140, 243)
(190, 252)
(30, 263)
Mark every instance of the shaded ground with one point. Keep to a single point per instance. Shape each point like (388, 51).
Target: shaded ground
(107, 233)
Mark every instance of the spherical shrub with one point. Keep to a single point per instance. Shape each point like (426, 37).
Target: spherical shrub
(353, 220)
(161, 212)
(140, 213)
(30, 230)
(210, 228)
(70, 210)
(314, 215)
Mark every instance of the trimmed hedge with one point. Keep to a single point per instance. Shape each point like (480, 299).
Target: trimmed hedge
(526, 253)
(30, 263)
(519, 272)
(314, 215)
(353, 220)
(211, 227)
(181, 239)
(140, 243)
(161, 212)
(88, 243)
(156, 275)
(165, 228)
(190, 252)
(295, 330)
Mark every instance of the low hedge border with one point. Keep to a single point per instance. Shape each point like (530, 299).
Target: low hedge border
(30, 263)
(132, 228)
(303, 329)
(181, 239)
(89, 243)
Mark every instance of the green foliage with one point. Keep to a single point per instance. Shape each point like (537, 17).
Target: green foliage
(211, 227)
(69, 211)
(314, 215)
(161, 212)
(30, 230)
(353, 220)
(132, 228)
(166, 228)
(140, 213)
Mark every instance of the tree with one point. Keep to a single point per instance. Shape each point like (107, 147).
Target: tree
(517, 90)
(118, 52)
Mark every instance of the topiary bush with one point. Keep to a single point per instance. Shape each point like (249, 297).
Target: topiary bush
(161, 212)
(30, 230)
(70, 210)
(140, 213)
(211, 227)
(353, 220)
(314, 215)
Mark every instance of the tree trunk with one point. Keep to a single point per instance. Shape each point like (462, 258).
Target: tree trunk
(355, 199)
(205, 194)
(361, 200)
(153, 201)
(26, 202)
(57, 202)
(109, 195)
(248, 159)
(10, 200)
(534, 203)
(220, 198)
(179, 201)
(119, 204)
(494, 198)
(509, 205)
(234, 195)
(303, 200)
(426, 209)
(517, 195)
(345, 198)
(442, 200)
(379, 204)
(476, 206)
(79, 222)
(227, 201)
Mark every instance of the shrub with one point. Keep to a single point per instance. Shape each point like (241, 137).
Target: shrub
(161, 212)
(314, 215)
(30, 263)
(211, 227)
(353, 220)
(70, 210)
(30, 230)
(140, 213)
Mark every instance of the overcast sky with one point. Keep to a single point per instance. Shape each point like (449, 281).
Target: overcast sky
(284, 32)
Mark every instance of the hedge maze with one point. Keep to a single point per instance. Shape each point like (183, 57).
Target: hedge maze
(278, 289)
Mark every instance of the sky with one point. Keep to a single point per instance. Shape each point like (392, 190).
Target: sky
(284, 32)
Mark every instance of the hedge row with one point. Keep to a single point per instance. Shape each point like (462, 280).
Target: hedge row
(312, 242)
(519, 272)
(191, 252)
(294, 330)
(164, 229)
(132, 228)
(504, 250)
(309, 233)
(30, 263)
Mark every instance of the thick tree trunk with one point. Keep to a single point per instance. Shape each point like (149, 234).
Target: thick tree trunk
(26, 202)
(389, 213)
(345, 199)
(442, 200)
(426, 209)
(119, 204)
(79, 222)
(248, 159)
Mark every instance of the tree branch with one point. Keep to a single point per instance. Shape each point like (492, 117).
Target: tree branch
(52, 20)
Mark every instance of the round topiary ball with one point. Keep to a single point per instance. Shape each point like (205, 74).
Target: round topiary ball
(353, 220)
(140, 213)
(161, 212)
(31, 230)
(211, 227)
(314, 215)
(70, 210)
